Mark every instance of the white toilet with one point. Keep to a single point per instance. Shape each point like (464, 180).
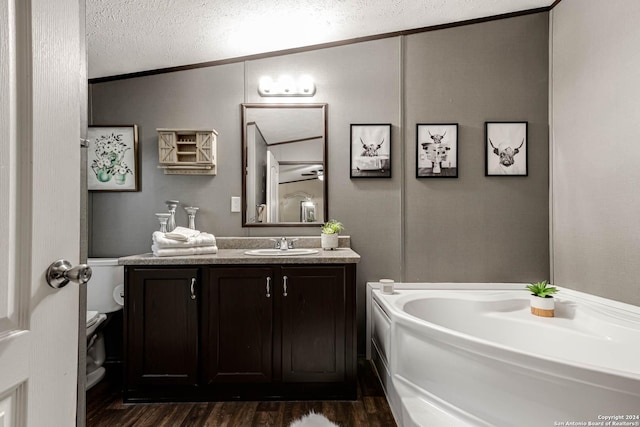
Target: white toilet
(105, 294)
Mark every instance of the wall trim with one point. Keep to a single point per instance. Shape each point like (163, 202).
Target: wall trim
(555, 3)
(321, 45)
(552, 278)
(403, 157)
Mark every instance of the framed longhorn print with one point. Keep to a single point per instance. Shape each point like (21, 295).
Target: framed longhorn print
(437, 150)
(506, 148)
(370, 151)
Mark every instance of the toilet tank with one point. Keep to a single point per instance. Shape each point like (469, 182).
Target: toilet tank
(106, 287)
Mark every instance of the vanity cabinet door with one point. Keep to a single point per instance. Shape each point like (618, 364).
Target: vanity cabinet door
(238, 325)
(318, 337)
(161, 318)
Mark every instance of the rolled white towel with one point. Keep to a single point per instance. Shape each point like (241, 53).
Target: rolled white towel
(201, 250)
(181, 233)
(202, 239)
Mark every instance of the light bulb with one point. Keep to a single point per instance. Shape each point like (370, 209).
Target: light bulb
(266, 84)
(286, 84)
(306, 84)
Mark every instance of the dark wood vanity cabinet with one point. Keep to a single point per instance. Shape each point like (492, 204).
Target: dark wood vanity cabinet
(314, 336)
(161, 326)
(237, 325)
(289, 324)
(253, 332)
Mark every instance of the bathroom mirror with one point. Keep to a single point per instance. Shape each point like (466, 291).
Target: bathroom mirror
(284, 162)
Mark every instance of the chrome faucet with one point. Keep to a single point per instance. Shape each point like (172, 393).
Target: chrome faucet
(283, 244)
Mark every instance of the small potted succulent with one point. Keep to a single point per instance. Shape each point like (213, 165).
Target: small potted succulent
(542, 303)
(330, 233)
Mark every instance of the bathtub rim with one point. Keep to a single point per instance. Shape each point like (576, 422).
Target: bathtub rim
(566, 369)
(371, 286)
(629, 385)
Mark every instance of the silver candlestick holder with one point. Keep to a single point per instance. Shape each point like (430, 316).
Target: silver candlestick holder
(163, 218)
(172, 205)
(191, 212)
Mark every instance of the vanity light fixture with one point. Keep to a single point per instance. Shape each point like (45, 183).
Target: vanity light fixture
(286, 86)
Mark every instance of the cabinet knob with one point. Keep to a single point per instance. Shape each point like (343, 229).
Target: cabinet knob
(268, 287)
(193, 288)
(284, 287)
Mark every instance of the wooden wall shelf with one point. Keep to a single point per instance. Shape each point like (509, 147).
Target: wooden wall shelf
(187, 151)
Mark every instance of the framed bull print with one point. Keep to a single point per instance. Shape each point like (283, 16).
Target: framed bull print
(506, 148)
(370, 151)
(437, 150)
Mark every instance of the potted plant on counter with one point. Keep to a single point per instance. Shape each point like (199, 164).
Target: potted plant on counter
(542, 303)
(330, 232)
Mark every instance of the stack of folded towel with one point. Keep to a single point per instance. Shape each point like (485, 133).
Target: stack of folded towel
(183, 241)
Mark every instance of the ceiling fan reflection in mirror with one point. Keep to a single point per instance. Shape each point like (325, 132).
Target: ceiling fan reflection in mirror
(319, 173)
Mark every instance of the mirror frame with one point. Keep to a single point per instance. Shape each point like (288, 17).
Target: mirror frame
(244, 107)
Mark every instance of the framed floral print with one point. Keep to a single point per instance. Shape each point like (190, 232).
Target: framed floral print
(112, 158)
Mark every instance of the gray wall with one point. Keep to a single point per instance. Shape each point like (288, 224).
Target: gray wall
(596, 152)
(478, 228)
(471, 228)
(122, 223)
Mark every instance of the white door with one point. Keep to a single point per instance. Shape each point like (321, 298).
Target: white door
(273, 181)
(39, 209)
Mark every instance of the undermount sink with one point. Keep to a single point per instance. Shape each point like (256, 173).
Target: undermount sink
(280, 252)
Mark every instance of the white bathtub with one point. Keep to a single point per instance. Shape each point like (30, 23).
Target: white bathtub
(476, 356)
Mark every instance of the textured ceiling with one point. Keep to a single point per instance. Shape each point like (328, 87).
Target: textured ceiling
(127, 36)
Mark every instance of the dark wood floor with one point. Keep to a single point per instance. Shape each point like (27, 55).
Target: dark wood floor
(105, 408)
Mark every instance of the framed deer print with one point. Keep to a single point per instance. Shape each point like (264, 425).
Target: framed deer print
(112, 158)
(437, 150)
(370, 151)
(506, 148)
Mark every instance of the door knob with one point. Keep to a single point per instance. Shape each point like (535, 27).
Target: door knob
(60, 273)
